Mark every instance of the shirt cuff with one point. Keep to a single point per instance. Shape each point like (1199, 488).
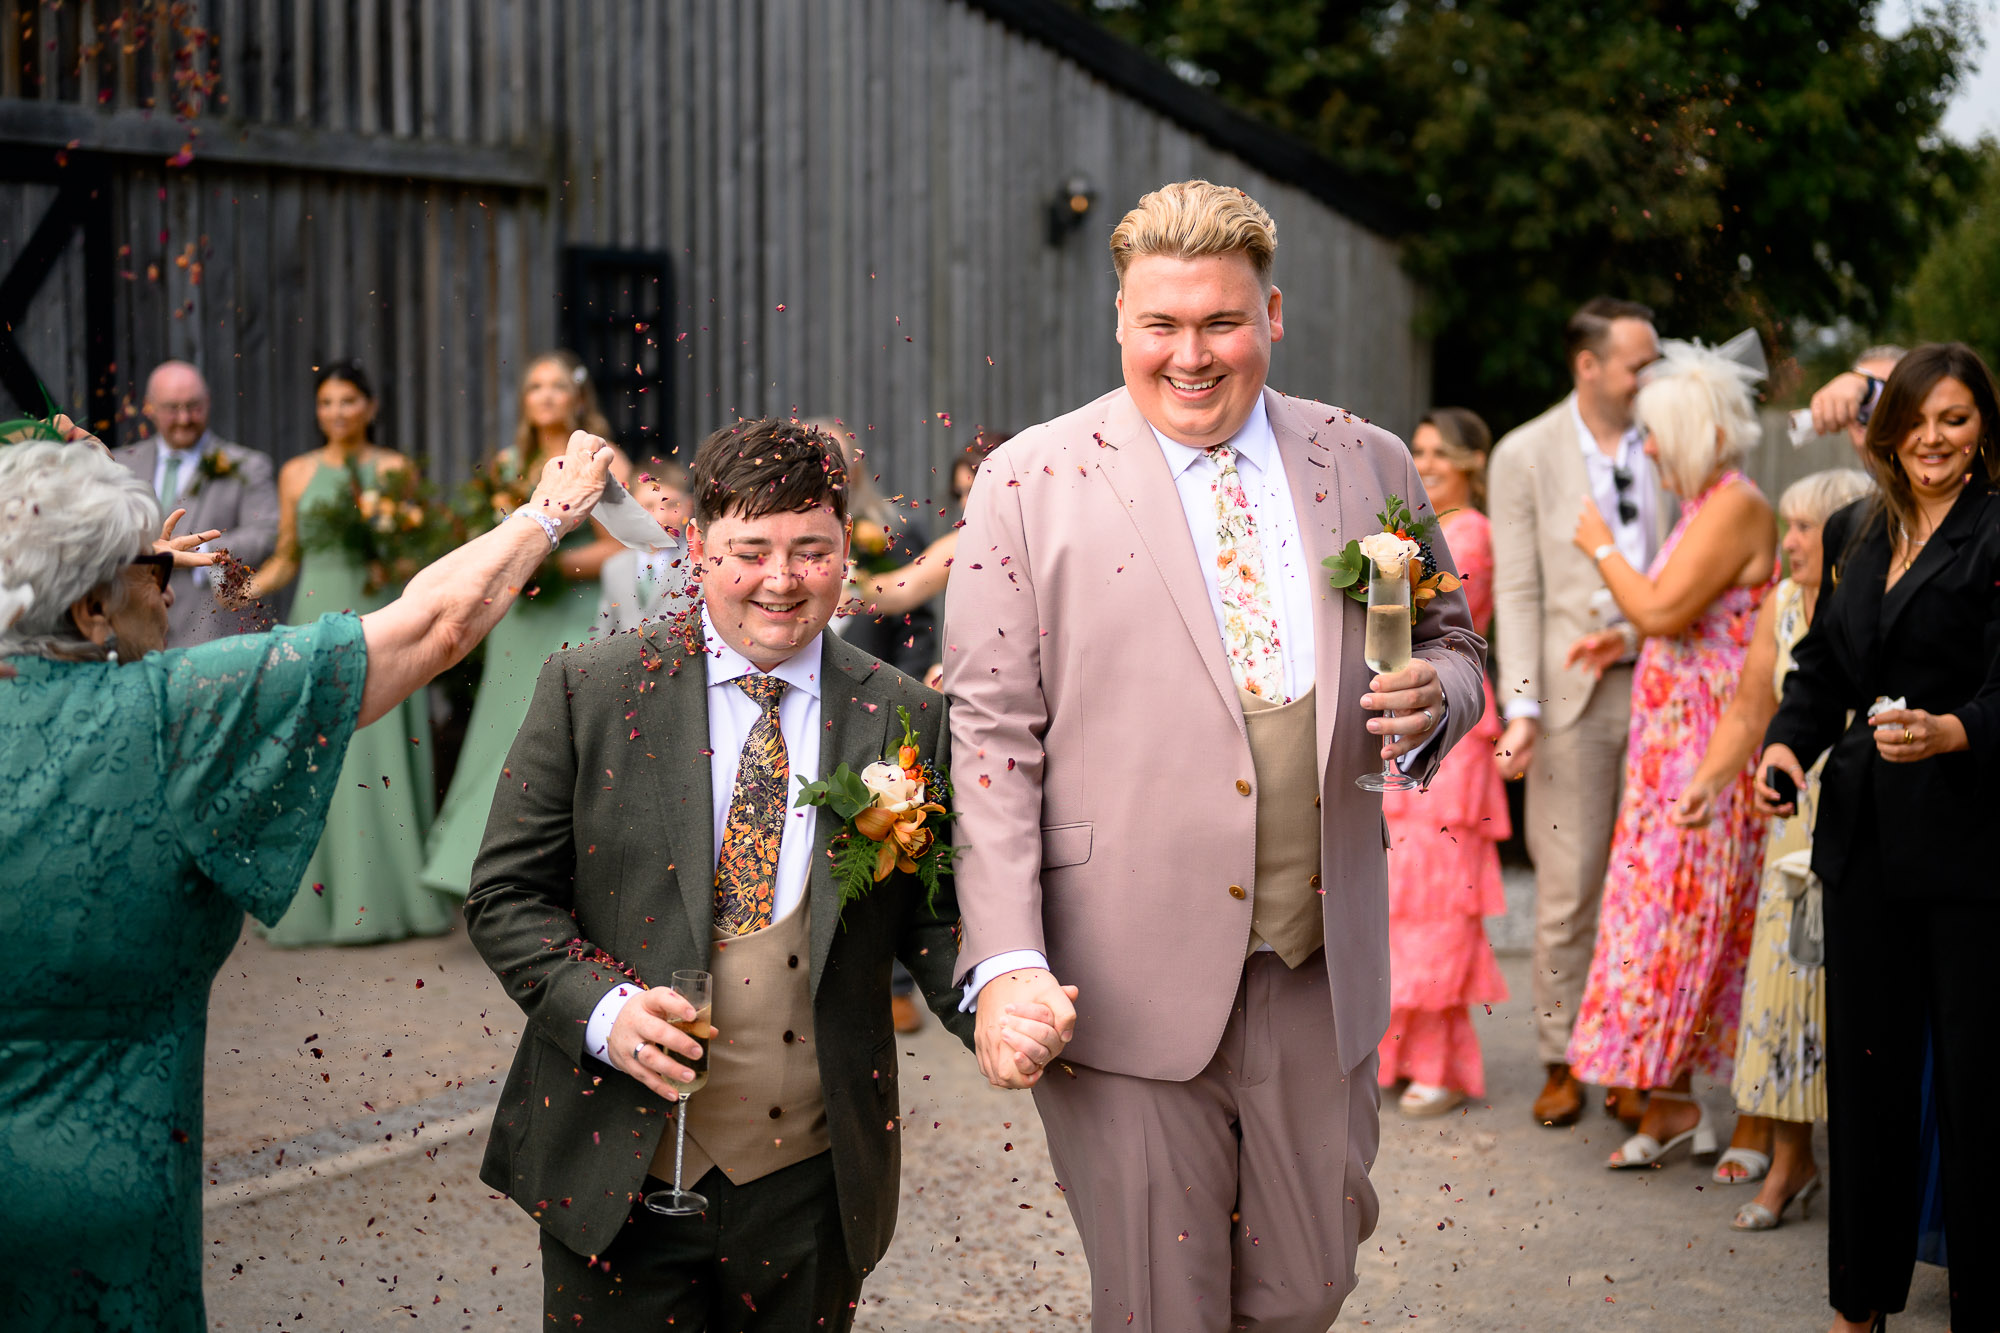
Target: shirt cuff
(597, 1033)
(1011, 961)
(1518, 708)
(1409, 760)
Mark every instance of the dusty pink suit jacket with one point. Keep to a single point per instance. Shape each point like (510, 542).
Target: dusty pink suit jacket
(1099, 751)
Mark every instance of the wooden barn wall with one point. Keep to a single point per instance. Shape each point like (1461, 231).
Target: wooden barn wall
(852, 194)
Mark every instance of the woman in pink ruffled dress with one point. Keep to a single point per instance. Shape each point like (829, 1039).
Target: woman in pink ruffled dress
(1444, 865)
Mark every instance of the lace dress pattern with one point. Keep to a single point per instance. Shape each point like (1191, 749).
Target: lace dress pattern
(143, 809)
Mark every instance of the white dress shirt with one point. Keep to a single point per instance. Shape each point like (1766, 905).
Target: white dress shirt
(1287, 569)
(190, 461)
(731, 714)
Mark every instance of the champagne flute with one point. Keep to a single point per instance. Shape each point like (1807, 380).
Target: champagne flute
(1386, 649)
(698, 989)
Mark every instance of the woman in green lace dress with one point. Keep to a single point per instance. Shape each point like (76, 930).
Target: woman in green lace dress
(362, 884)
(559, 610)
(147, 799)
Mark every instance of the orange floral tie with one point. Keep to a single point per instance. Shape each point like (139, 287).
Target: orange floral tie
(746, 875)
(1249, 624)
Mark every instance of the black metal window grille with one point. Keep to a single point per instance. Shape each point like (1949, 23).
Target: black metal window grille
(615, 313)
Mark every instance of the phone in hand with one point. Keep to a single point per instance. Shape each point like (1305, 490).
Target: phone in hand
(1779, 781)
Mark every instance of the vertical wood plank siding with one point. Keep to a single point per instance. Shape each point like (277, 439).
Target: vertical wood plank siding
(880, 169)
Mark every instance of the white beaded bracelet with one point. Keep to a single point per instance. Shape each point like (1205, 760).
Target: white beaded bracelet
(550, 528)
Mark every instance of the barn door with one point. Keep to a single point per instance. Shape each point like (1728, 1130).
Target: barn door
(56, 287)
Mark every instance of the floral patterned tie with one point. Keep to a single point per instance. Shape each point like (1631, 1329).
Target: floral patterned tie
(1249, 624)
(746, 875)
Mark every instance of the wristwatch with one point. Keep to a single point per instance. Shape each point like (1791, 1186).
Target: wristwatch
(1598, 556)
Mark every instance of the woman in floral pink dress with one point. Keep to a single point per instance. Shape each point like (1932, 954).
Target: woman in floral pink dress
(1674, 932)
(1444, 866)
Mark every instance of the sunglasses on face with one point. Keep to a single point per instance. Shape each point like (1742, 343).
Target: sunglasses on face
(161, 563)
(1621, 477)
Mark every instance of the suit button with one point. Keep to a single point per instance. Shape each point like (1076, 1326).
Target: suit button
(793, 961)
(1242, 787)
(1314, 881)
(1236, 891)
(790, 1038)
(777, 1111)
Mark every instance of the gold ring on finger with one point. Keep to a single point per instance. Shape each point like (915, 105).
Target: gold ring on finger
(1908, 735)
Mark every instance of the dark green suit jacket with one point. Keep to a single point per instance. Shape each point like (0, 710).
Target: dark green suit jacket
(599, 854)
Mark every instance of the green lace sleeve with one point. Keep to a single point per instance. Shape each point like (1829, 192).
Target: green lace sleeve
(253, 731)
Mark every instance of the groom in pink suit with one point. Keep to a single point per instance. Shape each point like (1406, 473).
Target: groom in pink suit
(1158, 710)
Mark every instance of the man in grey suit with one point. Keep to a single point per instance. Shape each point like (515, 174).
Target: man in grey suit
(1565, 727)
(644, 824)
(221, 485)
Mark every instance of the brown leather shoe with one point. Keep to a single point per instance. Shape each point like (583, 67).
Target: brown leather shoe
(1561, 1102)
(906, 1014)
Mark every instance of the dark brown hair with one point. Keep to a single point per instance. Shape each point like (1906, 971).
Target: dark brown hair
(1895, 416)
(1466, 440)
(768, 466)
(1590, 327)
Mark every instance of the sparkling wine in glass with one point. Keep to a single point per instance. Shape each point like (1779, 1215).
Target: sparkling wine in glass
(1386, 649)
(698, 989)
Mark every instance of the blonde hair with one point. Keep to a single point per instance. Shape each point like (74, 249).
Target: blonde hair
(1696, 405)
(1194, 219)
(1816, 498)
(584, 413)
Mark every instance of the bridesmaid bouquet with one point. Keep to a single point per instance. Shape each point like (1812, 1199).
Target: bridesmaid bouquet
(393, 528)
(494, 492)
(888, 809)
(1349, 569)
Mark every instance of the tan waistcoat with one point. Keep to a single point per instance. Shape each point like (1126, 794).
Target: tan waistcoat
(1285, 910)
(762, 1108)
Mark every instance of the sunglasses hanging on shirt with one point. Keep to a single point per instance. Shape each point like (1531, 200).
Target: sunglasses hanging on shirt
(1628, 509)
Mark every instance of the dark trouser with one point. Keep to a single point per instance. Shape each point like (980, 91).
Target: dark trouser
(1894, 963)
(768, 1255)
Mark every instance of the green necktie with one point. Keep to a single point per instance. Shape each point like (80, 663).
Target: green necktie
(170, 485)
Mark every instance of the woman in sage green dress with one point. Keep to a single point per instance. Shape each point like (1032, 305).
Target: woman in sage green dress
(362, 885)
(147, 799)
(559, 611)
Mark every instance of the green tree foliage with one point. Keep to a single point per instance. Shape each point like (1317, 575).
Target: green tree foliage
(1952, 296)
(1729, 163)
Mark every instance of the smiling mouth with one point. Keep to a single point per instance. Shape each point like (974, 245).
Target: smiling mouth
(779, 608)
(1195, 386)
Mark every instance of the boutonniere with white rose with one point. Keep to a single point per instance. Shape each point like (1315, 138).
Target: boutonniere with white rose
(1405, 540)
(891, 810)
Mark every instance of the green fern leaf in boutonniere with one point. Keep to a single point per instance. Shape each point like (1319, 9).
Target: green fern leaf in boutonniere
(889, 813)
(1348, 570)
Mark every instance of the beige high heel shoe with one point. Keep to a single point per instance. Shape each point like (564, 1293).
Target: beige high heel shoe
(1645, 1150)
(1754, 1216)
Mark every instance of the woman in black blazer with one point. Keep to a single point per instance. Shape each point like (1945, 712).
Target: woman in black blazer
(1905, 840)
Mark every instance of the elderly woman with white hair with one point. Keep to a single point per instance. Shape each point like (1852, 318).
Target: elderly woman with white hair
(1666, 979)
(1780, 1081)
(148, 797)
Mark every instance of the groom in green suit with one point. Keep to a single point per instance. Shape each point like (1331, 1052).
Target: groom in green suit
(645, 822)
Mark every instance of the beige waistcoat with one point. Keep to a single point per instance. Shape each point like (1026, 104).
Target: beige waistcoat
(762, 1108)
(1285, 910)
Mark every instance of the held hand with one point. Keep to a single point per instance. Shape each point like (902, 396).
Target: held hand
(1905, 735)
(1024, 1020)
(1837, 405)
(1695, 807)
(572, 484)
(1517, 747)
(73, 433)
(1417, 700)
(185, 556)
(1591, 529)
(1781, 758)
(642, 1028)
(1596, 652)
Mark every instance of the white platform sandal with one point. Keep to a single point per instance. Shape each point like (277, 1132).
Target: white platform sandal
(1421, 1100)
(1645, 1150)
(1756, 1165)
(1754, 1216)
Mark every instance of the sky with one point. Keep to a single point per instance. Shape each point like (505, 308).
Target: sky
(1975, 109)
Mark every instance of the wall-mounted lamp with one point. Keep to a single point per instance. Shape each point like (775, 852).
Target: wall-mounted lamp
(1070, 207)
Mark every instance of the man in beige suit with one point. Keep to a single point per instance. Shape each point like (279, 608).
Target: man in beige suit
(1565, 727)
(1158, 710)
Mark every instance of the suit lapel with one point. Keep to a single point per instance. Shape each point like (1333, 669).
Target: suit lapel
(1935, 555)
(1137, 473)
(855, 718)
(676, 709)
(1327, 521)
